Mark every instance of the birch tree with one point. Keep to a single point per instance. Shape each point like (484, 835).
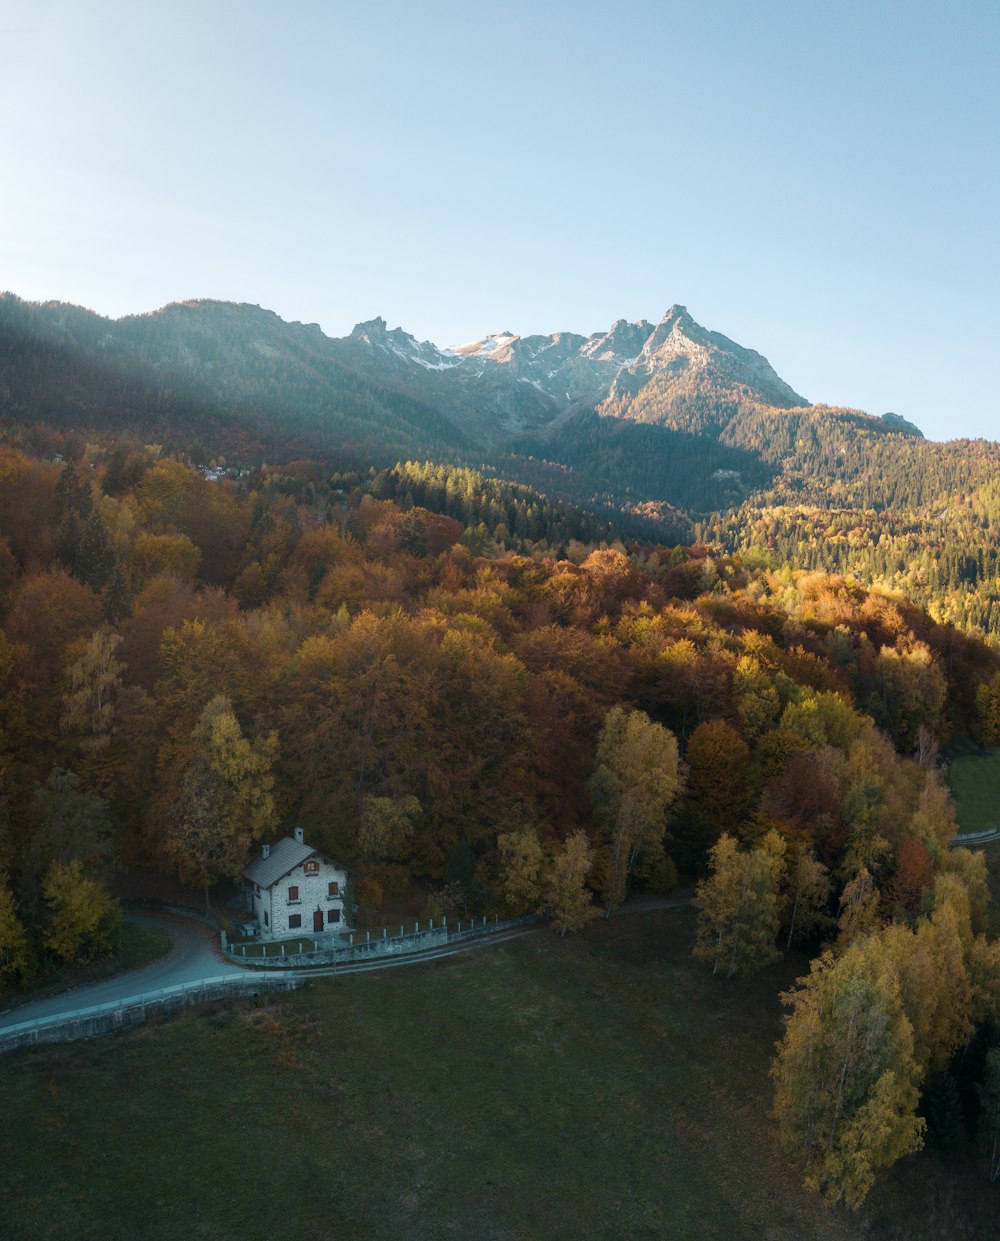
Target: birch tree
(858, 914)
(95, 677)
(970, 866)
(808, 890)
(225, 802)
(520, 862)
(739, 905)
(846, 1079)
(936, 964)
(568, 899)
(632, 788)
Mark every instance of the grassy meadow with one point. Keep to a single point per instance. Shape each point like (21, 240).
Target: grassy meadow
(599, 1086)
(975, 785)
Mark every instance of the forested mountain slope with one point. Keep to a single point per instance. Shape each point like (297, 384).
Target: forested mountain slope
(395, 652)
(236, 378)
(676, 429)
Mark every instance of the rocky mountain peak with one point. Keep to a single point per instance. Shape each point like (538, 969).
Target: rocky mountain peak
(677, 327)
(622, 344)
(676, 311)
(520, 381)
(373, 331)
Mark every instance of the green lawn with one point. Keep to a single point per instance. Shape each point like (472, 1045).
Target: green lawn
(975, 786)
(599, 1087)
(140, 945)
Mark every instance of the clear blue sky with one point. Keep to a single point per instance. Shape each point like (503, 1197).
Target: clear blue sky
(818, 181)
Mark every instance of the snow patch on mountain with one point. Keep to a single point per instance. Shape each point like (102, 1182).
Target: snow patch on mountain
(504, 383)
(485, 348)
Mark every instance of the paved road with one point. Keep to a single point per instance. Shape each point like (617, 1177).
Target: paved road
(193, 955)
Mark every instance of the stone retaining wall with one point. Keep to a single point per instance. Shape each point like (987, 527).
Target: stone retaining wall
(121, 1014)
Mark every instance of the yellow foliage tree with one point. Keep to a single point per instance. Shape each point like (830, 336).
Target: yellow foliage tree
(567, 898)
(970, 866)
(845, 1074)
(988, 707)
(386, 826)
(740, 905)
(520, 865)
(226, 800)
(83, 917)
(859, 913)
(756, 698)
(632, 787)
(95, 677)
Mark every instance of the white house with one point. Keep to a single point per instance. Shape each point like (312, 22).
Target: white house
(293, 888)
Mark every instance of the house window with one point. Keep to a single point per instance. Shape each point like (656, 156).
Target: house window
(312, 866)
(333, 915)
(266, 921)
(294, 921)
(293, 895)
(333, 888)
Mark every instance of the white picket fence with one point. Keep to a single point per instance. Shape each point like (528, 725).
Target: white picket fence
(332, 950)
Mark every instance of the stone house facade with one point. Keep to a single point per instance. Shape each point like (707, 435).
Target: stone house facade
(293, 889)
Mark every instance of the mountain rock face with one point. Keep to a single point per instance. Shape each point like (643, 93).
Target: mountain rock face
(488, 392)
(678, 347)
(642, 414)
(614, 407)
(506, 385)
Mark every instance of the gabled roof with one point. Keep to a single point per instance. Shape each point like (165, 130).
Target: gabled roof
(283, 857)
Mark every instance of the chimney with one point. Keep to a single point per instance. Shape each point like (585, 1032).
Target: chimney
(265, 851)
(298, 836)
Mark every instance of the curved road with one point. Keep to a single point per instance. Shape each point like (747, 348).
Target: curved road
(195, 956)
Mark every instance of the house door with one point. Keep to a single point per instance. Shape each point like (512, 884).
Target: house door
(318, 920)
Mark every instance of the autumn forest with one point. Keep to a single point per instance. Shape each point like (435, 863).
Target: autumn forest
(482, 702)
